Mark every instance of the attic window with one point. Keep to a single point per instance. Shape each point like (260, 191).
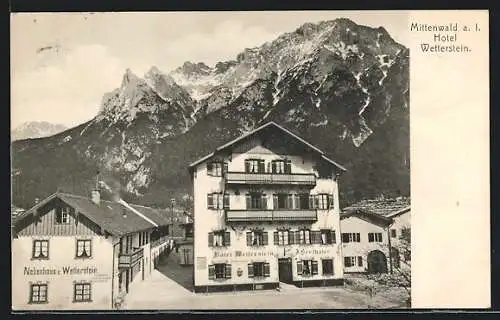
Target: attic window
(62, 215)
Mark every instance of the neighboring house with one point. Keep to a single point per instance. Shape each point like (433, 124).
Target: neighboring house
(72, 252)
(371, 230)
(186, 250)
(266, 210)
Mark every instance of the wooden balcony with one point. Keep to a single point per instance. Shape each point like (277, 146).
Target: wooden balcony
(302, 179)
(309, 215)
(128, 260)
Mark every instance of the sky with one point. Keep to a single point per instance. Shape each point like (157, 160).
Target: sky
(63, 63)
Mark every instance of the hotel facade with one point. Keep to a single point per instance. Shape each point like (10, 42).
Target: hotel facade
(75, 253)
(266, 210)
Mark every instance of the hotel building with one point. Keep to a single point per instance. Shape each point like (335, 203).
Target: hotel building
(72, 252)
(266, 210)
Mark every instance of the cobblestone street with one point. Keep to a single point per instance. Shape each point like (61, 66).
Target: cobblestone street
(169, 288)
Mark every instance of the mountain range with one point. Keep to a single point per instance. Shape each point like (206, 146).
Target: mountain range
(342, 86)
(35, 129)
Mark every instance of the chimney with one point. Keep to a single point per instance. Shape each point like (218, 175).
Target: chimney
(37, 200)
(124, 212)
(96, 196)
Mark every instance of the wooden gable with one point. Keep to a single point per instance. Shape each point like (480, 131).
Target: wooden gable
(46, 223)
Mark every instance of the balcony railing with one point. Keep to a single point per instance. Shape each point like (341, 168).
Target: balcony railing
(271, 215)
(128, 260)
(159, 241)
(304, 179)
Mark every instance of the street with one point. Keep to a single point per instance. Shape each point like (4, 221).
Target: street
(169, 287)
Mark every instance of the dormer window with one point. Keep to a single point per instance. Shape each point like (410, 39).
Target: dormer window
(255, 166)
(62, 215)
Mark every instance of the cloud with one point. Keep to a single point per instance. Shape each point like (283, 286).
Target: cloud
(66, 88)
(227, 39)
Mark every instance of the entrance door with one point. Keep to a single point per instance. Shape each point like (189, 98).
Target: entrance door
(377, 262)
(285, 270)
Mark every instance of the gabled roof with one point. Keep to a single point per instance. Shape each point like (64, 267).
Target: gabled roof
(361, 212)
(109, 215)
(382, 207)
(268, 124)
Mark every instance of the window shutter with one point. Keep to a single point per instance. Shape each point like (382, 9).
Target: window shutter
(370, 237)
(314, 267)
(332, 234)
(226, 201)
(267, 271)
(249, 238)
(265, 240)
(247, 166)
(224, 169)
(211, 272)
(210, 168)
(250, 270)
(360, 261)
(262, 167)
(276, 239)
(311, 202)
(228, 271)
(249, 201)
(210, 239)
(299, 268)
(210, 201)
(330, 201)
(227, 239)
(264, 201)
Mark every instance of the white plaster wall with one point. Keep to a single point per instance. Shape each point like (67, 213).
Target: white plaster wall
(62, 251)
(354, 224)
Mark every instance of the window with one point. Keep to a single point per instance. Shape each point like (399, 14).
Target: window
(307, 267)
(256, 200)
(254, 166)
(303, 201)
(282, 237)
(327, 266)
(393, 233)
(278, 166)
(258, 269)
(219, 239)
(374, 237)
(218, 201)
(216, 169)
(83, 248)
(324, 202)
(327, 236)
(62, 215)
(38, 293)
(257, 238)
(283, 201)
(40, 249)
(219, 271)
(83, 292)
(304, 236)
(351, 261)
(351, 237)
